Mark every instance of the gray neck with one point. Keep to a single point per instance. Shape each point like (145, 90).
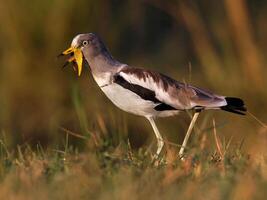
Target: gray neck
(102, 63)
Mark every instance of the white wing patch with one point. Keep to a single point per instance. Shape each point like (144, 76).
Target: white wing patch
(158, 88)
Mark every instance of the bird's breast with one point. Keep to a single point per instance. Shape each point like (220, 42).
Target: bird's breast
(128, 100)
(103, 79)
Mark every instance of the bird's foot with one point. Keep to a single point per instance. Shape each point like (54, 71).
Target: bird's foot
(182, 156)
(158, 161)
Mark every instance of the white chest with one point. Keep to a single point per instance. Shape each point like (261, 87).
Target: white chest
(128, 101)
(104, 79)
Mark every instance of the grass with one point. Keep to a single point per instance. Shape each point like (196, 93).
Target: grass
(102, 163)
(105, 171)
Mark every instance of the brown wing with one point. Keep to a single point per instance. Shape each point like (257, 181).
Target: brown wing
(169, 91)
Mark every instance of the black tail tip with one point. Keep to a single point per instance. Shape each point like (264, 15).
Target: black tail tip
(235, 105)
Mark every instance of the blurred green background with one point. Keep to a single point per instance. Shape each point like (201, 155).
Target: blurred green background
(218, 45)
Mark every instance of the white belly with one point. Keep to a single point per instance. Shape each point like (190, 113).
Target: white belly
(131, 102)
(128, 100)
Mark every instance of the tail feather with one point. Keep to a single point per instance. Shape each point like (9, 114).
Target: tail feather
(235, 105)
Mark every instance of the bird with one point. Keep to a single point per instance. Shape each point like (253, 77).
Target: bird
(144, 92)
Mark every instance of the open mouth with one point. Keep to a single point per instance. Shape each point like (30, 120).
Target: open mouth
(75, 58)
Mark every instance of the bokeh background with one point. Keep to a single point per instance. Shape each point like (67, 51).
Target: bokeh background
(218, 45)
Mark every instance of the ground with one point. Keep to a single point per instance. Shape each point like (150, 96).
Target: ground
(102, 171)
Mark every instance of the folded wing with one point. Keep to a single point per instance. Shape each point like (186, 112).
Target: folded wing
(166, 91)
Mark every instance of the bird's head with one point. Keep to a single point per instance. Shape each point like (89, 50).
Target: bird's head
(86, 46)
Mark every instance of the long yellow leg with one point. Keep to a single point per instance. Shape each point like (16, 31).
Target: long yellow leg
(188, 133)
(160, 142)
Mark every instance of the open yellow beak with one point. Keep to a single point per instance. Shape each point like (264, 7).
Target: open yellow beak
(76, 57)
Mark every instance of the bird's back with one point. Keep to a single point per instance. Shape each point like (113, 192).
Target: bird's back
(166, 90)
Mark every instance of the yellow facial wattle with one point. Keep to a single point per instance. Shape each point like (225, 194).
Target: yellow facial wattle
(77, 57)
(79, 60)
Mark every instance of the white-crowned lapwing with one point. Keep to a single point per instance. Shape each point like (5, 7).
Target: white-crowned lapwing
(144, 92)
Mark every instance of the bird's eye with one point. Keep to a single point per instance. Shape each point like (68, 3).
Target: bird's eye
(85, 42)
